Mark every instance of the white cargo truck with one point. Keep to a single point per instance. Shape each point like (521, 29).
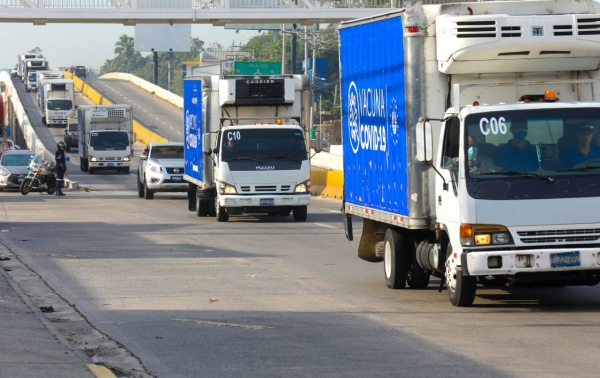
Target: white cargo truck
(105, 137)
(32, 65)
(58, 99)
(246, 145)
(21, 62)
(470, 135)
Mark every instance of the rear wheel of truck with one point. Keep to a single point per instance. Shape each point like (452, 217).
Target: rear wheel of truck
(300, 213)
(201, 207)
(417, 277)
(212, 212)
(461, 289)
(395, 260)
(191, 196)
(220, 213)
(148, 194)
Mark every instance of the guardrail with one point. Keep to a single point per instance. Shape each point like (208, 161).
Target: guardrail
(143, 134)
(31, 139)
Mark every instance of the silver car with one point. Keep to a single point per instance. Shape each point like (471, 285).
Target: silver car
(161, 169)
(14, 166)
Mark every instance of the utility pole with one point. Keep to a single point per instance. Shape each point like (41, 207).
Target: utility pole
(169, 76)
(155, 68)
(294, 47)
(283, 50)
(305, 50)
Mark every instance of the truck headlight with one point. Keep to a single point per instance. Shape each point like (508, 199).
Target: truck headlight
(303, 187)
(93, 158)
(156, 168)
(225, 188)
(126, 158)
(472, 234)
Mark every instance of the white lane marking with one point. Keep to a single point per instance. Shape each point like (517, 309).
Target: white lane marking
(145, 111)
(324, 225)
(178, 133)
(169, 127)
(157, 118)
(164, 123)
(331, 211)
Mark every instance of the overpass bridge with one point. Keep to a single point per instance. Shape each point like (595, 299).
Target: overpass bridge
(215, 12)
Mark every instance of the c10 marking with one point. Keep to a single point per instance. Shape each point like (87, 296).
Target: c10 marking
(234, 135)
(493, 125)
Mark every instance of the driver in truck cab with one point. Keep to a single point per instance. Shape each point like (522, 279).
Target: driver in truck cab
(584, 150)
(518, 154)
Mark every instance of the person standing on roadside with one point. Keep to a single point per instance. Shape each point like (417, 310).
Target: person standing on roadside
(61, 167)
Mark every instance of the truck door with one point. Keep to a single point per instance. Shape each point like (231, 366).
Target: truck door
(447, 206)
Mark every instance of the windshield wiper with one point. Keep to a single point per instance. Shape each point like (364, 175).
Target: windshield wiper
(283, 157)
(244, 158)
(586, 168)
(547, 180)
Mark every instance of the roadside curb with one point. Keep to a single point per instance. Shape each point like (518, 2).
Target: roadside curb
(101, 371)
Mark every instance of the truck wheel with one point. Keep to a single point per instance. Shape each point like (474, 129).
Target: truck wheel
(148, 194)
(300, 213)
(395, 260)
(85, 165)
(212, 212)
(44, 121)
(417, 277)
(191, 195)
(140, 187)
(461, 289)
(201, 207)
(220, 213)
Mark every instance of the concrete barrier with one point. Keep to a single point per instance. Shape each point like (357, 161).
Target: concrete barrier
(31, 139)
(143, 135)
(327, 184)
(148, 87)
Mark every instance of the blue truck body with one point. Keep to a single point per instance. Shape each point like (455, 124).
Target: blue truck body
(192, 128)
(373, 116)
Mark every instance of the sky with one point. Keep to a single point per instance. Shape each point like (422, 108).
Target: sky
(88, 45)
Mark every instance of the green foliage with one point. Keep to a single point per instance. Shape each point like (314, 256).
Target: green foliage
(130, 61)
(2, 86)
(35, 50)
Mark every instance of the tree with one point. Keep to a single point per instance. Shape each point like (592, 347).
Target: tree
(125, 46)
(35, 50)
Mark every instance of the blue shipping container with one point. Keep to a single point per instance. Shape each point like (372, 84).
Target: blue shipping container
(373, 115)
(192, 128)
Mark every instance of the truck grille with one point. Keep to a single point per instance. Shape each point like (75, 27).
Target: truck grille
(258, 91)
(175, 170)
(476, 29)
(116, 113)
(559, 236)
(588, 26)
(265, 189)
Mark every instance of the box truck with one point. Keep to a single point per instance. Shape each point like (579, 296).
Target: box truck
(470, 136)
(246, 145)
(58, 99)
(105, 137)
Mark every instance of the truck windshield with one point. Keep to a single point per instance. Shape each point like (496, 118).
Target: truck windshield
(109, 140)
(166, 152)
(60, 105)
(263, 145)
(32, 77)
(543, 146)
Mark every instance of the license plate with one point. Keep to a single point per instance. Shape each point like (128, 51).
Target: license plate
(267, 202)
(565, 259)
(110, 164)
(176, 178)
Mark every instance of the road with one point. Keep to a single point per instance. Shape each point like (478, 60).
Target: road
(269, 297)
(155, 114)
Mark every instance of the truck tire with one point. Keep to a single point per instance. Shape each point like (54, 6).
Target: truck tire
(148, 194)
(395, 260)
(417, 277)
(201, 207)
(44, 121)
(212, 212)
(461, 289)
(140, 187)
(220, 212)
(300, 213)
(85, 164)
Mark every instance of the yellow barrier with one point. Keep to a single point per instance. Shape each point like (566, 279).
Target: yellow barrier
(327, 184)
(144, 135)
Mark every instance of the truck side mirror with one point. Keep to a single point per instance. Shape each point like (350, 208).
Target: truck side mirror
(318, 141)
(206, 144)
(143, 157)
(215, 151)
(424, 141)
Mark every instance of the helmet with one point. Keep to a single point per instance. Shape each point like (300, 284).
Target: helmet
(61, 144)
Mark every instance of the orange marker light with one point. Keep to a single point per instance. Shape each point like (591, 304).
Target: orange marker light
(466, 230)
(475, 103)
(550, 95)
(527, 100)
(279, 121)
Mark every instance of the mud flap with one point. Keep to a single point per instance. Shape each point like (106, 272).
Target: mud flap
(373, 233)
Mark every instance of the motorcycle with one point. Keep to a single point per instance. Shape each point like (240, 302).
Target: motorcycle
(41, 177)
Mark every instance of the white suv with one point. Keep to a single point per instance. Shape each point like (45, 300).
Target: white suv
(161, 169)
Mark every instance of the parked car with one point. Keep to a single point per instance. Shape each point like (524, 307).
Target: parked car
(161, 169)
(7, 144)
(80, 72)
(13, 167)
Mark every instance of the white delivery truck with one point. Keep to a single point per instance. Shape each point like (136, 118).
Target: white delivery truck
(58, 99)
(105, 137)
(42, 75)
(21, 62)
(30, 67)
(246, 145)
(470, 136)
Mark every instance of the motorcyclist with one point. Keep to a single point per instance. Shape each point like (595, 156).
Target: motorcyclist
(61, 167)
